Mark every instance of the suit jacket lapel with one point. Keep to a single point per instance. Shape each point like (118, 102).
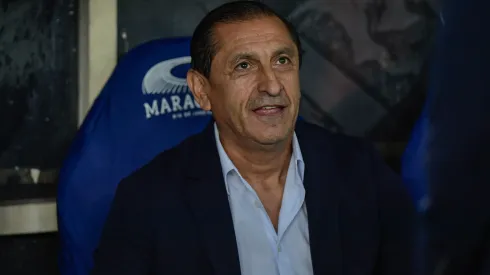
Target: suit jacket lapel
(209, 203)
(322, 184)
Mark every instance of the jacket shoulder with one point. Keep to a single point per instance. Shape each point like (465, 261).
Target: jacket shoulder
(162, 172)
(321, 138)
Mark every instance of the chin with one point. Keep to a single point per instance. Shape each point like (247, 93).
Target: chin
(272, 136)
(269, 130)
(269, 140)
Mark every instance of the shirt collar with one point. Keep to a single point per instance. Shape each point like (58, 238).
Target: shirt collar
(227, 165)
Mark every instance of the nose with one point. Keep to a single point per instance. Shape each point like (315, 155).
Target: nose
(269, 83)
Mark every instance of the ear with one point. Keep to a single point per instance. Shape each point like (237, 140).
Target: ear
(199, 87)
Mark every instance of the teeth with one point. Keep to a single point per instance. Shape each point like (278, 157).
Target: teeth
(268, 107)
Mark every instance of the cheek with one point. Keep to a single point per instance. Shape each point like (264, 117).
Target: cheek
(238, 93)
(291, 84)
(238, 102)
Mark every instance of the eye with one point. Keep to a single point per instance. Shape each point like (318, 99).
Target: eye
(243, 66)
(283, 60)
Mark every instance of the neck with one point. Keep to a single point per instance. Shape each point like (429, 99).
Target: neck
(257, 162)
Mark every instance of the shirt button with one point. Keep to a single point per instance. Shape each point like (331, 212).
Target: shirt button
(278, 248)
(258, 204)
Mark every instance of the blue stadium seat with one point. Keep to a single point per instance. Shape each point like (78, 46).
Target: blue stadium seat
(416, 158)
(415, 161)
(144, 108)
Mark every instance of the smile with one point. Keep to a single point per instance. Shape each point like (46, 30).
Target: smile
(269, 110)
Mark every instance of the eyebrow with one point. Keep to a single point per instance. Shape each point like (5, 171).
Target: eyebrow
(252, 56)
(242, 56)
(285, 51)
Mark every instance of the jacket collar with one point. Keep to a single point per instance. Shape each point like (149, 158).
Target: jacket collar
(208, 200)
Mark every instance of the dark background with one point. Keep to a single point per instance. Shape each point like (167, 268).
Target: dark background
(38, 83)
(38, 116)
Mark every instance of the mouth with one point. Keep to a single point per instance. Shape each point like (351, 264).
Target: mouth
(269, 110)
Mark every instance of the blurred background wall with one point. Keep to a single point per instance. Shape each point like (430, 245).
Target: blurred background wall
(55, 55)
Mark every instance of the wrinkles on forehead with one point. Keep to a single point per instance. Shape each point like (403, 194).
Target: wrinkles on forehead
(215, 35)
(249, 38)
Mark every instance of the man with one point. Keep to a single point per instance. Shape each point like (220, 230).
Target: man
(257, 193)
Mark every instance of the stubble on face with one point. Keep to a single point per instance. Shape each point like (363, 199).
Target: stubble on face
(254, 81)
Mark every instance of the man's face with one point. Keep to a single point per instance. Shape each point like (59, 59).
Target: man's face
(253, 88)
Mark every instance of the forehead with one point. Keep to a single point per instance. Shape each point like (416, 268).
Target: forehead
(260, 33)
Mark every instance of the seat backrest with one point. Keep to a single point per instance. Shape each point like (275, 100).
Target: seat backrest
(144, 108)
(415, 160)
(416, 157)
(451, 135)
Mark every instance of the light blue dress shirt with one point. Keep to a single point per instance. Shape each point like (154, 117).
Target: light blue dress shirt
(261, 249)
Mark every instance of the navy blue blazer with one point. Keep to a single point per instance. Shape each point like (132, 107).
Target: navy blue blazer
(172, 216)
